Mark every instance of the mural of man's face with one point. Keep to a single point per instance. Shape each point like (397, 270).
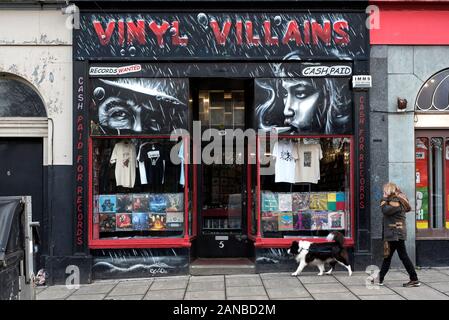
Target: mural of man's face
(301, 100)
(121, 114)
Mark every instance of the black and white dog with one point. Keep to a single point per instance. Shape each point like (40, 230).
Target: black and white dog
(319, 254)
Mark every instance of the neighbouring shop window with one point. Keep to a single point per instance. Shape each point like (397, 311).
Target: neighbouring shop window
(138, 190)
(433, 95)
(432, 184)
(307, 193)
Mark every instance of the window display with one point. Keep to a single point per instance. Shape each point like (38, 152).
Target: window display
(129, 202)
(316, 204)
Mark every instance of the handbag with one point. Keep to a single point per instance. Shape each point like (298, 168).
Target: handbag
(386, 249)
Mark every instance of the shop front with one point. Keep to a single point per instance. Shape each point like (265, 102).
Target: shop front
(218, 134)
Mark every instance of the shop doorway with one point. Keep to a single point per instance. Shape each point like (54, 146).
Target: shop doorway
(221, 104)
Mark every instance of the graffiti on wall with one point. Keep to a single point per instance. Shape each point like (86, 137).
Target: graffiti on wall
(139, 263)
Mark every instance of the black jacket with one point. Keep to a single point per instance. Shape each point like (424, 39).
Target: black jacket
(394, 224)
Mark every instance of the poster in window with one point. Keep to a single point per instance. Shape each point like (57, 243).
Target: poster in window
(107, 222)
(269, 201)
(320, 220)
(285, 201)
(158, 202)
(158, 221)
(302, 220)
(140, 202)
(107, 203)
(141, 221)
(285, 221)
(175, 202)
(175, 220)
(133, 106)
(336, 220)
(125, 203)
(318, 201)
(300, 201)
(124, 222)
(270, 222)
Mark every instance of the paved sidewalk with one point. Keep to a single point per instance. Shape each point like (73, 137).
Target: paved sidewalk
(265, 286)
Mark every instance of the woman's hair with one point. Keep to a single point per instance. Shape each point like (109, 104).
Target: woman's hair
(391, 188)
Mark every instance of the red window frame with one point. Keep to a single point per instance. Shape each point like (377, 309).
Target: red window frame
(181, 242)
(261, 242)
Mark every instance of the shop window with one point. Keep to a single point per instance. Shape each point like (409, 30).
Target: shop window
(433, 95)
(306, 193)
(138, 191)
(138, 181)
(432, 184)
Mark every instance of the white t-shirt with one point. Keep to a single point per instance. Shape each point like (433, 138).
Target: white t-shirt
(308, 163)
(181, 157)
(124, 157)
(285, 154)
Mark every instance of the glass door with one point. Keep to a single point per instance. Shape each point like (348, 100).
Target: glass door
(222, 176)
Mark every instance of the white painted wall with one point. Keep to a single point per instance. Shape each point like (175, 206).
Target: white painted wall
(36, 45)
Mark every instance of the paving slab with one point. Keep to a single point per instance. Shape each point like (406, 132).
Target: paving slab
(275, 275)
(265, 297)
(354, 280)
(335, 296)
(325, 288)
(206, 286)
(277, 293)
(55, 292)
(99, 296)
(245, 291)
(317, 279)
(370, 291)
(206, 278)
(176, 294)
(130, 288)
(95, 288)
(129, 297)
(421, 293)
(243, 280)
(281, 283)
(382, 297)
(205, 295)
(168, 284)
(306, 298)
(440, 286)
(396, 276)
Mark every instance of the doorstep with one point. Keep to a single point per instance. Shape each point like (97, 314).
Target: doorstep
(222, 266)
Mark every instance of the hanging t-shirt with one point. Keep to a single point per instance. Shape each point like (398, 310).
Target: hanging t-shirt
(285, 154)
(181, 156)
(141, 165)
(308, 163)
(154, 155)
(124, 157)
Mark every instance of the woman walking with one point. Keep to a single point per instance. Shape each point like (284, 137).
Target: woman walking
(394, 205)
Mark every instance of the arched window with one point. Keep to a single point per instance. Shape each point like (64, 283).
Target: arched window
(17, 99)
(434, 94)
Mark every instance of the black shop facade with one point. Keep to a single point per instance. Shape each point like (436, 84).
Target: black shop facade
(217, 137)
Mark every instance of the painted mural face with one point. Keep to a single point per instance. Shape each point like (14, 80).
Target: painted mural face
(301, 100)
(133, 106)
(304, 105)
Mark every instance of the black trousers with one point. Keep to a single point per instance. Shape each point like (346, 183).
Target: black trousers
(402, 252)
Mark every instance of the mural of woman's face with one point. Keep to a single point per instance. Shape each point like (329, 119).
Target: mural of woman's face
(301, 100)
